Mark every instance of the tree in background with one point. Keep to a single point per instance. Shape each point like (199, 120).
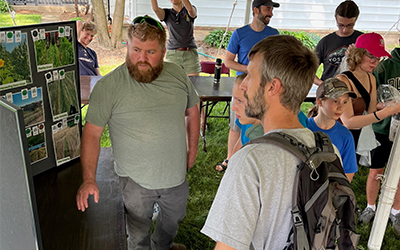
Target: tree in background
(100, 18)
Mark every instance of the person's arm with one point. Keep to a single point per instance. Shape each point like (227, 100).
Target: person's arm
(232, 64)
(90, 150)
(238, 145)
(233, 138)
(192, 132)
(317, 81)
(157, 10)
(222, 246)
(352, 121)
(189, 7)
(97, 71)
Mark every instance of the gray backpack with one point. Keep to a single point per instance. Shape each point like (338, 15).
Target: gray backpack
(324, 206)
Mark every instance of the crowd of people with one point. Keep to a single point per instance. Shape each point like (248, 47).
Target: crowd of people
(153, 114)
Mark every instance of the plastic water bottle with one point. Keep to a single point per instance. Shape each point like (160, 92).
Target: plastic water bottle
(389, 95)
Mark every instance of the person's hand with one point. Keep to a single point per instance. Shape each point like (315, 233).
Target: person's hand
(191, 158)
(87, 188)
(380, 106)
(393, 109)
(351, 46)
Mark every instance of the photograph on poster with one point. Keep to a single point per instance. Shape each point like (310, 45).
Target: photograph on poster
(66, 139)
(63, 95)
(36, 142)
(15, 69)
(31, 103)
(53, 49)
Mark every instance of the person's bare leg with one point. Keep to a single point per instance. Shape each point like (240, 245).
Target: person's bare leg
(373, 185)
(233, 138)
(396, 203)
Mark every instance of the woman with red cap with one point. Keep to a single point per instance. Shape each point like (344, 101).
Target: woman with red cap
(362, 59)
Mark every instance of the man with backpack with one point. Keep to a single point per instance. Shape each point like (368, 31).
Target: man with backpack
(253, 205)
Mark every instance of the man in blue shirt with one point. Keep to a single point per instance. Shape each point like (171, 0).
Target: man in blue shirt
(242, 40)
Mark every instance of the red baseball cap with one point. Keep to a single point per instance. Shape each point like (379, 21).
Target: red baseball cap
(374, 43)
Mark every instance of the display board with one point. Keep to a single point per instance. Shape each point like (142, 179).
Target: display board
(39, 74)
(18, 212)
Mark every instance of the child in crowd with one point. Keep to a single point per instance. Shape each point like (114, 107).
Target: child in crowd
(243, 122)
(332, 98)
(250, 128)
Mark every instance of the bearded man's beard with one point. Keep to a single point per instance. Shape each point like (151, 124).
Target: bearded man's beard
(261, 17)
(257, 107)
(141, 75)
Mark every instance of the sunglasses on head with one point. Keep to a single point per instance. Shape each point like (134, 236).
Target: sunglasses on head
(149, 20)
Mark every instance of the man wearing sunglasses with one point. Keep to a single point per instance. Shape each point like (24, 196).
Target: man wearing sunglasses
(151, 109)
(332, 48)
(181, 47)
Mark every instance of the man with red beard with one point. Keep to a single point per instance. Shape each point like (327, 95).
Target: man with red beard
(151, 109)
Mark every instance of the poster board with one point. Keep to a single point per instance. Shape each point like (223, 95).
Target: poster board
(18, 211)
(39, 73)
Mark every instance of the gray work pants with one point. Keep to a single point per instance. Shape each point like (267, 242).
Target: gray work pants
(139, 203)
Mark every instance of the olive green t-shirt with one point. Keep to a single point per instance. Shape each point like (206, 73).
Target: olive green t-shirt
(146, 124)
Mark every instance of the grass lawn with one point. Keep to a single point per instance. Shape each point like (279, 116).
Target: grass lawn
(20, 19)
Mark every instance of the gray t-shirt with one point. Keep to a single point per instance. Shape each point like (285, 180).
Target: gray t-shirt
(252, 208)
(180, 27)
(146, 123)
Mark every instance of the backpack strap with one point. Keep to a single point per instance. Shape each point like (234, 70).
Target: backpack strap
(301, 151)
(363, 92)
(285, 141)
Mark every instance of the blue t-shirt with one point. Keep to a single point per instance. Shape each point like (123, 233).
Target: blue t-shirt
(303, 119)
(343, 140)
(244, 38)
(243, 128)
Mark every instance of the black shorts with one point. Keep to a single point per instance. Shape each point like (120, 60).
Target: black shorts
(380, 155)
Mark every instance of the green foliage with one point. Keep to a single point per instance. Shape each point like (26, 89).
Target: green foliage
(4, 8)
(16, 65)
(20, 19)
(215, 37)
(310, 40)
(76, 19)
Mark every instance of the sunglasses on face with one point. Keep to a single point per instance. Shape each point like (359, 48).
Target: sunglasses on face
(149, 20)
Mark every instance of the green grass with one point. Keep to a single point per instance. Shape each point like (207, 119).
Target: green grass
(105, 69)
(20, 19)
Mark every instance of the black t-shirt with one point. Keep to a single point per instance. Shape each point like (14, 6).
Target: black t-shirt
(180, 28)
(331, 49)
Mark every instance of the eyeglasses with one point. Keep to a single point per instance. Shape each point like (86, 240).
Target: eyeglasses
(373, 59)
(149, 20)
(348, 26)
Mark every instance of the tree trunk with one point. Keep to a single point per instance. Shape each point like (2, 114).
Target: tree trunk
(101, 23)
(117, 24)
(87, 7)
(76, 8)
